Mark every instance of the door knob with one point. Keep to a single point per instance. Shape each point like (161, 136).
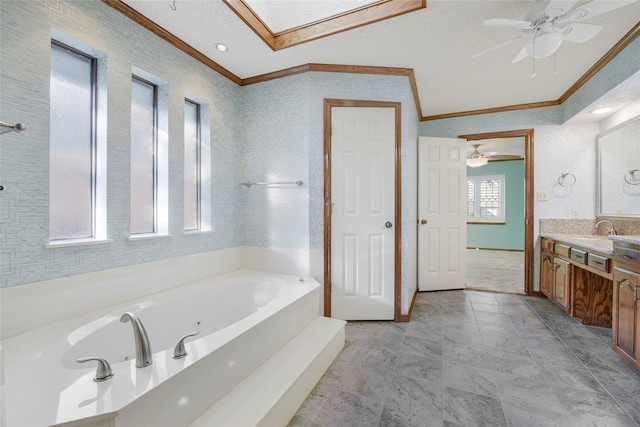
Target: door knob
(423, 221)
(388, 224)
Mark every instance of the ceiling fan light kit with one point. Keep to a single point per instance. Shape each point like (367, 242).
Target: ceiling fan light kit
(476, 162)
(545, 43)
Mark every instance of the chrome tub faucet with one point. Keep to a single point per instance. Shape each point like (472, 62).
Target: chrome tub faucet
(143, 348)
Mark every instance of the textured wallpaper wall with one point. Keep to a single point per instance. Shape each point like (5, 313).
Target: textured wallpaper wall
(267, 131)
(26, 31)
(275, 144)
(558, 147)
(272, 131)
(285, 142)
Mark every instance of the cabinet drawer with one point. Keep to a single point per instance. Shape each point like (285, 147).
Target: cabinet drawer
(598, 262)
(561, 249)
(578, 256)
(627, 255)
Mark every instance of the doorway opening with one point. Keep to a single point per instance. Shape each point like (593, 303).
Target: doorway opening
(483, 262)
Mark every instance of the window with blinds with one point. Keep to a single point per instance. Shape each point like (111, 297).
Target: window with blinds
(485, 199)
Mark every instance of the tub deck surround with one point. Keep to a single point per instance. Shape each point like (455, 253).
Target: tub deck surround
(252, 316)
(36, 305)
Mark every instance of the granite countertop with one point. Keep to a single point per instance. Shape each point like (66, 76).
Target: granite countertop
(593, 243)
(634, 240)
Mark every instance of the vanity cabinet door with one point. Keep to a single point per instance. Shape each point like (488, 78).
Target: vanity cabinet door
(626, 321)
(547, 275)
(562, 283)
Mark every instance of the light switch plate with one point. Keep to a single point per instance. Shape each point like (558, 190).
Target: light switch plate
(542, 196)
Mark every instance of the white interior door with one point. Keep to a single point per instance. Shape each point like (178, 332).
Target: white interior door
(363, 213)
(442, 231)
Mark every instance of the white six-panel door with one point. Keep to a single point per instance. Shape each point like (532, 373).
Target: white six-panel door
(363, 212)
(442, 213)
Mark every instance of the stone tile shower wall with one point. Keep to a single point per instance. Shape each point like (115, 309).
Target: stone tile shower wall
(26, 31)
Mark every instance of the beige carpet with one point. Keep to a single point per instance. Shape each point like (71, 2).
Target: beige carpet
(495, 271)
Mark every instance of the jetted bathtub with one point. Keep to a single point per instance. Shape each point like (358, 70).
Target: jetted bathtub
(243, 318)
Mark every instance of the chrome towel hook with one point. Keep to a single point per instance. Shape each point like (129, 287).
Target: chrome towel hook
(566, 180)
(631, 173)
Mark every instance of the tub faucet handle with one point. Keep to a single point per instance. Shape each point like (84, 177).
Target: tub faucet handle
(104, 371)
(179, 351)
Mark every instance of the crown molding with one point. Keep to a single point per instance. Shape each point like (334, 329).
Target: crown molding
(361, 69)
(156, 29)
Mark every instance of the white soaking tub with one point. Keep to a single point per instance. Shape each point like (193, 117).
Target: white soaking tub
(244, 319)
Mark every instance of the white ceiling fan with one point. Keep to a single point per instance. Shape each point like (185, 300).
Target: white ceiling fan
(549, 23)
(478, 158)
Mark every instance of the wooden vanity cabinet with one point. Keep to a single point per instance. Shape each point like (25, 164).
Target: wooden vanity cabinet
(562, 284)
(555, 276)
(547, 275)
(626, 305)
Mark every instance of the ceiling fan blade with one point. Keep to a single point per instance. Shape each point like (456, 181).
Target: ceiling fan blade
(557, 8)
(594, 8)
(491, 49)
(579, 32)
(506, 157)
(511, 23)
(521, 55)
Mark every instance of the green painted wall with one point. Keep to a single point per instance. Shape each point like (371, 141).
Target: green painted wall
(509, 235)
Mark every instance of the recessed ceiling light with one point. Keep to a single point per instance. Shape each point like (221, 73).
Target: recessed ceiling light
(601, 110)
(222, 47)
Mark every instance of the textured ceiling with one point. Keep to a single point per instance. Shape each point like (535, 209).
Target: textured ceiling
(437, 43)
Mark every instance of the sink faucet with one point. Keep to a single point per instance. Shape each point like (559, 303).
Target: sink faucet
(611, 231)
(143, 348)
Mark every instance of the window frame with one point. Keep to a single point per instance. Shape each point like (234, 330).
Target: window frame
(155, 166)
(478, 179)
(93, 144)
(198, 114)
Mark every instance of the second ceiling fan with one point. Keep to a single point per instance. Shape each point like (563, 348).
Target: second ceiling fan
(478, 158)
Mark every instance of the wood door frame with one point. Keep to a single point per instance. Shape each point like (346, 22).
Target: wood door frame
(397, 106)
(528, 177)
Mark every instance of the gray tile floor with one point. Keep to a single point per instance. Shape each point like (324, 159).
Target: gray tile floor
(470, 358)
(495, 270)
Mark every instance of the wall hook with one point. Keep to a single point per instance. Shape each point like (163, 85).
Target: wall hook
(563, 181)
(173, 6)
(631, 173)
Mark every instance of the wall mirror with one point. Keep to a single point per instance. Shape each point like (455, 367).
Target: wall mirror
(619, 171)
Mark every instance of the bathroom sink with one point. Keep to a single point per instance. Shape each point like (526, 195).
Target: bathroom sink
(592, 242)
